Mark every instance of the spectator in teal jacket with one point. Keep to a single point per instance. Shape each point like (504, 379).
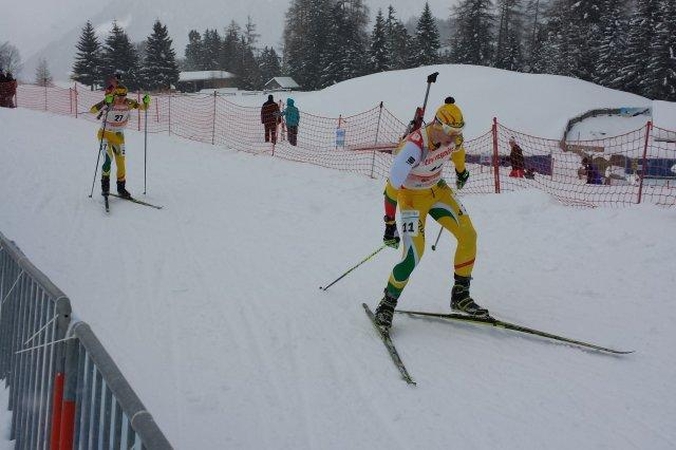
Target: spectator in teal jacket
(292, 117)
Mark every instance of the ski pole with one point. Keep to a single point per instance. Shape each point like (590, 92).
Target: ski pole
(145, 147)
(350, 270)
(98, 158)
(434, 247)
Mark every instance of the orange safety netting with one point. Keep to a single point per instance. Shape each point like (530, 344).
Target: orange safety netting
(635, 167)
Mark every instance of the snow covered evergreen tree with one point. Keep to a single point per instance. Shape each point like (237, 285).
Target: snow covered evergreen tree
(426, 42)
(211, 50)
(472, 42)
(269, 64)
(399, 42)
(230, 53)
(379, 57)
(508, 50)
(584, 35)
(305, 39)
(661, 83)
(248, 75)
(160, 70)
(642, 34)
(554, 53)
(194, 52)
(612, 45)
(120, 56)
(342, 57)
(87, 67)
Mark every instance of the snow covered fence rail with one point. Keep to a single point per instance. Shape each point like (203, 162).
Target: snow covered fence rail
(65, 390)
(623, 170)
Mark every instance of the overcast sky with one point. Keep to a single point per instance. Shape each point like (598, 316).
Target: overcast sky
(30, 25)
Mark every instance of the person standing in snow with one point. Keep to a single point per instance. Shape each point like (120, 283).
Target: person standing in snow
(590, 170)
(111, 133)
(292, 118)
(516, 159)
(270, 116)
(415, 183)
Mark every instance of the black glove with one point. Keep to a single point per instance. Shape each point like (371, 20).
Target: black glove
(461, 178)
(391, 236)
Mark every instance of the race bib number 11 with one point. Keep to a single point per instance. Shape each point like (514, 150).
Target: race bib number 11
(409, 222)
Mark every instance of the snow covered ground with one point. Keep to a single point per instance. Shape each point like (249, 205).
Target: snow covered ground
(212, 310)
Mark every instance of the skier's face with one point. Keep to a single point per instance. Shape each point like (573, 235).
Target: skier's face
(439, 137)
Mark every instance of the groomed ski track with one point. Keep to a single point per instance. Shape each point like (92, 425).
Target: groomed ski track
(210, 306)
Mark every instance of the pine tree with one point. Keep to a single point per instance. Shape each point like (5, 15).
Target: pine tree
(120, 56)
(532, 33)
(662, 63)
(613, 25)
(159, 71)
(194, 52)
(305, 40)
(211, 50)
(249, 76)
(472, 42)
(399, 45)
(342, 57)
(642, 33)
(426, 40)
(268, 64)
(379, 58)
(508, 51)
(87, 66)
(584, 35)
(43, 76)
(230, 58)
(556, 54)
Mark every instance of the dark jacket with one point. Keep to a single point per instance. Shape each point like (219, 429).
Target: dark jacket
(270, 112)
(516, 157)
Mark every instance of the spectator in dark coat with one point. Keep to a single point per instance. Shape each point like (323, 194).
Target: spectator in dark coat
(593, 174)
(516, 159)
(270, 117)
(7, 90)
(292, 119)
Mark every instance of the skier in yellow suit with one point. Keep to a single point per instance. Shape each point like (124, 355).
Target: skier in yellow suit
(415, 183)
(116, 118)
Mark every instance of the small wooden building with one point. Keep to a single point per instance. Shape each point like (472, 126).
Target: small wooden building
(281, 84)
(195, 81)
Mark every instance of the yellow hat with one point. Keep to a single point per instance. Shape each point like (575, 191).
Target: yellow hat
(449, 117)
(120, 91)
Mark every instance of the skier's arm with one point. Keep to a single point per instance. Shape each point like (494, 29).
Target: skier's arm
(403, 162)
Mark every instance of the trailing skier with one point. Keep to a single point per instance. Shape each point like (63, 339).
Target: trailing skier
(111, 135)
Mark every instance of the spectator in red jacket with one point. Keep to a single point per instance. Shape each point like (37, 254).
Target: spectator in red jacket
(270, 117)
(516, 159)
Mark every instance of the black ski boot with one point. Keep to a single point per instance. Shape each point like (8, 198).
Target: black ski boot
(105, 185)
(121, 189)
(461, 300)
(385, 311)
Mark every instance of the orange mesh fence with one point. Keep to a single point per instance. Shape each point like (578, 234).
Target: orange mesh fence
(635, 167)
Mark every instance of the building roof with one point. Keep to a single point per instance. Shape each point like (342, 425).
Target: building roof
(284, 82)
(199, 75)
